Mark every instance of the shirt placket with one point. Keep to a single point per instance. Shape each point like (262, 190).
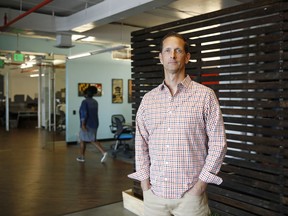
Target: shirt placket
(168, 145)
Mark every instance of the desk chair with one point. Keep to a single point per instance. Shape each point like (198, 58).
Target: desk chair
(113, 126)
(61, 122)
(121, 135)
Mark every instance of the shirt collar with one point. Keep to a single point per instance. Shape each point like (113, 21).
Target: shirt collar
(185, 83)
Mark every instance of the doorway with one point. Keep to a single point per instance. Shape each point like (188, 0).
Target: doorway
(33, 93)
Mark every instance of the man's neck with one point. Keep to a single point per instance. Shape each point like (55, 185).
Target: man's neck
(172, 81)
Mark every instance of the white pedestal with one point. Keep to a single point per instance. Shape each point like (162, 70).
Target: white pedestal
(132, 203)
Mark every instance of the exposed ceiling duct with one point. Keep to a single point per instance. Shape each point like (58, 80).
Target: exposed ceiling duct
(101, 22)
(94, 16)
(63, 41)
(42, 4)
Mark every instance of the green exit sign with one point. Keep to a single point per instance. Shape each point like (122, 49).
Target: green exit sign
(18, 57)
(2, 63)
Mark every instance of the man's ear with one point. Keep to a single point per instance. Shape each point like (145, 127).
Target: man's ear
(160, 57)
(188, 55)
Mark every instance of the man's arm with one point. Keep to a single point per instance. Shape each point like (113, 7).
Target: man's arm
(142, 159)
(217, 145)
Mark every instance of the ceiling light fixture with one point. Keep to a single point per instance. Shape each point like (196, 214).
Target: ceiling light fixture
(80, 55)
(35, 75)
(26, 65)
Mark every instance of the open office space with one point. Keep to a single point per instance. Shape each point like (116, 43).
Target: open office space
(240, 52)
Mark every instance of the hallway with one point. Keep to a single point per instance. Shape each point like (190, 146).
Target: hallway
(40, 176)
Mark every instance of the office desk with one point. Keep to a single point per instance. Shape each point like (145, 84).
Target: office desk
(22, 113)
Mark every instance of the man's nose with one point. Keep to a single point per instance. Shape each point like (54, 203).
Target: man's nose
(173, 54)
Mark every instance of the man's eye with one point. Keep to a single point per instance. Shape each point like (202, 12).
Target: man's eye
(179, 51)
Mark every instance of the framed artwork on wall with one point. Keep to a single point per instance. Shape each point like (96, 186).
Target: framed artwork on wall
(83, 86)
(117, 90)
(129, 90)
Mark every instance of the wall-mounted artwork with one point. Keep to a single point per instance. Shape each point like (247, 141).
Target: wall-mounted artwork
(129, 90)
(117, 90)
(83, 86)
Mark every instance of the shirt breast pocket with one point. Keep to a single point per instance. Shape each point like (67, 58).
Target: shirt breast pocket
(190, 117)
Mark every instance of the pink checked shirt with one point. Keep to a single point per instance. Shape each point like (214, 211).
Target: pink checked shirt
(179, 139)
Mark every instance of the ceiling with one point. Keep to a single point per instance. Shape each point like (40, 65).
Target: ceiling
(105, 22)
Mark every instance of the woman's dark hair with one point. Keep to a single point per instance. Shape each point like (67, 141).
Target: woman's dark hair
(175, 34)
(90, 91)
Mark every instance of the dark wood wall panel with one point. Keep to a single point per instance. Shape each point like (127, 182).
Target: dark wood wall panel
(241, 53)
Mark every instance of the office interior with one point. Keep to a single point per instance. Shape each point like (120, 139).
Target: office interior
(52, 42)
(99, 68)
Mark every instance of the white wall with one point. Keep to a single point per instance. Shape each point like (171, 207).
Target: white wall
(23, 85)
(99, 68)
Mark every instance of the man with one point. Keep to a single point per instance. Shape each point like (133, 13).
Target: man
(89, 124)
(180, 139)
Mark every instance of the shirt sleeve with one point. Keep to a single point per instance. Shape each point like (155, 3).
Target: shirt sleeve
(142, 158)
(83, 111)
(217, 145)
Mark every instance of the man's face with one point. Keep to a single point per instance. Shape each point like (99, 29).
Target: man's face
(173, 56)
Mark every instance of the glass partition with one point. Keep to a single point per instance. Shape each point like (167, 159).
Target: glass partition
(33, 97)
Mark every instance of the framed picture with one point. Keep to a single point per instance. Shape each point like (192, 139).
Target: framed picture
(83, 86)
(129, 90)
(117, 90)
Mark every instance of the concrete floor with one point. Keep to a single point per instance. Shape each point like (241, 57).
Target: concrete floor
(115, 209)
(40, 177)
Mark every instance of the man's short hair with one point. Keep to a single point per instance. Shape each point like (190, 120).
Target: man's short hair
(175, 34)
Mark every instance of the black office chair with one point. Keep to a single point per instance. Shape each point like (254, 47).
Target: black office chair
(113, 126)
(122, 134)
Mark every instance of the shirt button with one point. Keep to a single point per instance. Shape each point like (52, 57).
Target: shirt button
(169, 129)
(165, 179)
(166, 162)
(167, 146)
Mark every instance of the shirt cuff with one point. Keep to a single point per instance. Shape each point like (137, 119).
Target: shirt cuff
(210, 177)
(139, 175)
